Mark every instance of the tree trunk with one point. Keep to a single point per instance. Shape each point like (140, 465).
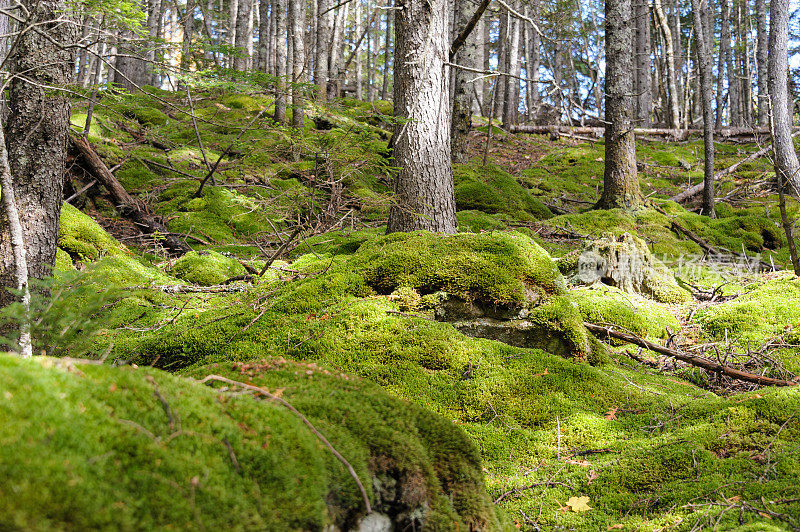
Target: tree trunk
(786, 163)
(297, 18)
(721, 62)
(387, 51)
(322, 52)
(761, 60)
(533, 57)
(644, 94)
(233, 12)
(425, 197)
(357, 51)
(672, 78)
(243, 37)
(188, 31)
(462, 91)
(280, 61)
(511, 102)
(36, 138)
(263, 35)
(620, 180)
(706, 76)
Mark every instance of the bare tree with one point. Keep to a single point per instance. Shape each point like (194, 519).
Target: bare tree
(706, 77)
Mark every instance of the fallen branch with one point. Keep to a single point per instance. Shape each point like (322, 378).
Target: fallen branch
(125, 203)
(305, 420)
(697, 189)
(700, 362)
(190, 289)
(516, 491)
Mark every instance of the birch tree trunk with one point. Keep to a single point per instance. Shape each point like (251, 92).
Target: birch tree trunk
(424, 192)
(322, 52)
(620, 180)
(359, 73)
(233, 12)
(786, 163)
(511, 101)
(706, 77)
(36, 139)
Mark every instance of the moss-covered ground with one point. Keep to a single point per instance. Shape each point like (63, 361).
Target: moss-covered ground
(447, 431)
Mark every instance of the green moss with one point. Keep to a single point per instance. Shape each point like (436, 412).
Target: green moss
(765, 310)
(606, 304)
(492, 190)
(83, 239)
(63, 260)
(479, 221)
(135, 177)
(103, 436)
(206, 268)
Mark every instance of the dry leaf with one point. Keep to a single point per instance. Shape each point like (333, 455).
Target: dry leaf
(579, 504)
(592, 475)
(618, 526)
(611, 415)
(545, 372)
(278, 392)
(582, 463)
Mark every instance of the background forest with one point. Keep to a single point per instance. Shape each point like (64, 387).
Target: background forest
(421, 265)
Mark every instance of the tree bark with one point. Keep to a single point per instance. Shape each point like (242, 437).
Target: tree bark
(672, 78)
(511, 91)
(644, 94)
(297, 18)
(36, 137)
(620, 180)
(704, 65)
(188, 31)
(786, 163)
(761, 60)
(387, 51)
(280, 60)
(322, 52)
(264, 20)
(462, 91)
(424, 192)
(243, 38)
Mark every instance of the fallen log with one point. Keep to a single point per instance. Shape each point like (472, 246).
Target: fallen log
(697, 189)
(677, 134)
(125, 203)
(701, 362)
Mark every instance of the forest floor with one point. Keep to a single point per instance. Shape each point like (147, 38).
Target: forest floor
(445, 430)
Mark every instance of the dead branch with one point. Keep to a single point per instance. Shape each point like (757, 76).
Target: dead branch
(305, 420)
(694, 360)
(125, 203)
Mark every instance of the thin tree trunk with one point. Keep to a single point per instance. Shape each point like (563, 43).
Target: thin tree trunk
(297, 18)
(761, 60)
(188, 31)
(322, 52)
(722, 62)
(461, 123)
(511, 91)
(263, 35)
(620, 181)
(387, 51)
(704, 65)
(233, 16)
(357, 51)
(644, 94)
(424, 192)
(280, 61)
(786, 163)
(672, 78)
(243, 39)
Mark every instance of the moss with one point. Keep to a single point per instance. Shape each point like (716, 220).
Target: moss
(478, 221)
(63, 261)
(103, 437)
(606, 304)
(136, 177)
(492, 190)
(83, 239)
(206, 268)
(762, 312)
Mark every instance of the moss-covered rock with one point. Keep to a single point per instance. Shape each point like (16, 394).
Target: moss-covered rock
(492, 190)
(123, 448)
(642, 316)
(626, 263)
(206, 268)
(83, 239)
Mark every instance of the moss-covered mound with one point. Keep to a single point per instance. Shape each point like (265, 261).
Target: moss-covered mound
(95, 447)
(606, 304)
(764, 311)
(80, 237)
(206, 268)
(492, 190)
